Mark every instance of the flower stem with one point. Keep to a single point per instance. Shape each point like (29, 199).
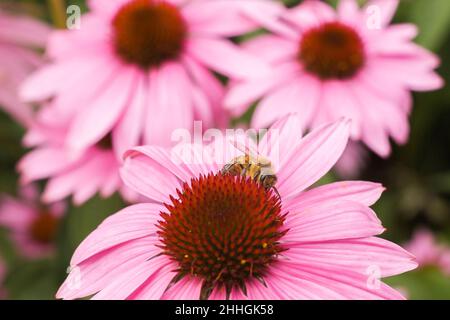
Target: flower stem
(58, 12)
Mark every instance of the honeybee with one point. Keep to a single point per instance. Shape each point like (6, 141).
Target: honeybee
(257, 168)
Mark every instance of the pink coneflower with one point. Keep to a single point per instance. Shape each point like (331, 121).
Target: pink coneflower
(353, 161)
(31, 225)
(211, 234)
(142, 68)
(428, 252)
(348, 62)
(96, 169)
(19, 35)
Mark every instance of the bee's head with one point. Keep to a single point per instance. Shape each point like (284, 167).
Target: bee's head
(268, 180)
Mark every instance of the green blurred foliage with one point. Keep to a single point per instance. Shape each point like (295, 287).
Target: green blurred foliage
(417, 176)
(424, 284)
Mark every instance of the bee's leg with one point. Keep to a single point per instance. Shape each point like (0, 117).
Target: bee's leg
(276, 192)
(257, 175)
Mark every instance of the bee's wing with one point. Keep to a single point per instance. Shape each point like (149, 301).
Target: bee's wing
(251, 150)
(246, 146)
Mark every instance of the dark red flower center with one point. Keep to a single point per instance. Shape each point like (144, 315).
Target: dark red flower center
(332, 51)
(149, 32)
(43, 229)
(223, 229)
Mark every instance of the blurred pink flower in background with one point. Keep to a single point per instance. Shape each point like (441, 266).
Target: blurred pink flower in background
(19, 35)
(139, 69)
(31, 225)
(94, 170)
(353, 161)
(334, 64)
(428, 252)
(303, 244)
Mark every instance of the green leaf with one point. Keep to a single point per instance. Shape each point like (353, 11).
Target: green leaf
(426, 283)
(433, 19)
(32, 280)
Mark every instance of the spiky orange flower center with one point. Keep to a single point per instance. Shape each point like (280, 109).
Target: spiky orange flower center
(332, 51)
(43, 229)
(148, 32)
(223, 229)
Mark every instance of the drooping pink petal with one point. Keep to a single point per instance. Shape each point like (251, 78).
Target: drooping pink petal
(338, 101)
(383, 85)
(226, 58)
(143, 165)
(266, 14)
(394, 40)
(272, 48)
(386, 9)
(139, 172)
(98, 271)
(72, 98)
(281, 140)
(284, 286)
(217, 18)
(131, 223)
(164, 103)
(94, 167)
(243, 94)
(366, 193)
(316, 155)
(373, 132)
(111, 184)
(164, 157)
(126, 284)
(97, 174)
(345, 284)
(23, 30)
(210, 85)
(31, 166)
(348, 10)
(92, 38)
(45, 82)
(95, 121)
(14, 107)
(358, 255)
(300, 96)
(187, 288)
(310, 13)
(330, 221)
(258, 291)
(156, 286)
(15, 214)
(127, 134)
(412, 72)
(106, 7)
(218, 294)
